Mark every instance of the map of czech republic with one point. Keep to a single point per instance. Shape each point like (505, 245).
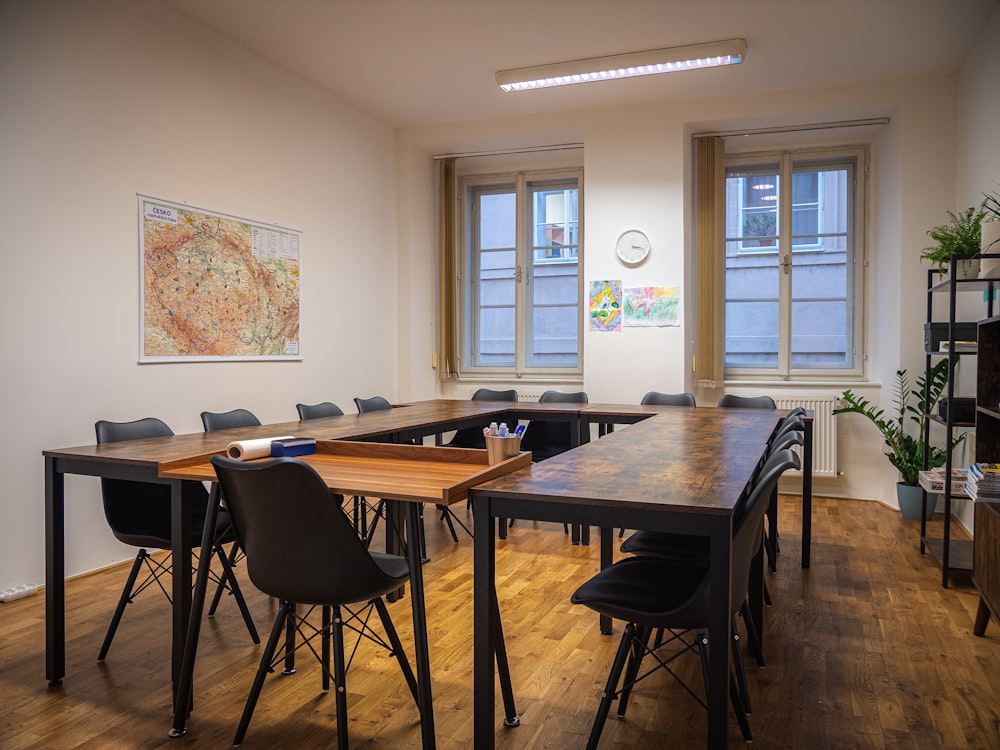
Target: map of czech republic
(216, 287)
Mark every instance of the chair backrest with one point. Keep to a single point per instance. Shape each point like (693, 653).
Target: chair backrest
(579, 397)
(375, 403)
(546, 437)
(318, 411)
(485, 394)
(300, 546)
(135, 507)
(214, 421)
(668, 399)
(747, 402)
(749, 519)
(472, 437)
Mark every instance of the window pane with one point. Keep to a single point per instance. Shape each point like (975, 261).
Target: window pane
(554, 315)
(820, 299)
(752, 207)
(497, 220)
(554, 340)
(521, 280)
(555, 227)
(496, 337)
(751, 308)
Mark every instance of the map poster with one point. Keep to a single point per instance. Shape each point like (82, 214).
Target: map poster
(215, 287)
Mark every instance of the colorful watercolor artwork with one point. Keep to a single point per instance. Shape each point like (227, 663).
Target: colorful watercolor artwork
(605, 305)
(652, 306)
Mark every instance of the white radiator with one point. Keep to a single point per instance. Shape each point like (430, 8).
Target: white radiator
(824, 430)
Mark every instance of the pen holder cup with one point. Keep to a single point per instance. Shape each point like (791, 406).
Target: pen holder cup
(501, 448)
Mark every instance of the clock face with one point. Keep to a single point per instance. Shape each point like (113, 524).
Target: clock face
(633, 246)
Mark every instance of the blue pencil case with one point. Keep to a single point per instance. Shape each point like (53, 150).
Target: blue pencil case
(293, 447)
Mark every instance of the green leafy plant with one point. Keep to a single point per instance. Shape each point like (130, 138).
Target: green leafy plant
(959, 238)
(991, 206)
(759, 225)
(905, 450)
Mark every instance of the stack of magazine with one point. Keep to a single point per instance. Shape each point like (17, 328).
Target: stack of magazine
(983, 482)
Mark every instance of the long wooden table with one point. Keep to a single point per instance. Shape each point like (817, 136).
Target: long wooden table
(683, 473)
(141, 460)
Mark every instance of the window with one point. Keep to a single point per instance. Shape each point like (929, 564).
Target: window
(792, 275)
(520, 274)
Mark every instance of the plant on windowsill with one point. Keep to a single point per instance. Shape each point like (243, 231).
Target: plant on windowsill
(906, 451)
(759, 225)
(959, 238)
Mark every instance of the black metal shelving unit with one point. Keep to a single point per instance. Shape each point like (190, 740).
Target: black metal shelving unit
(954, 555)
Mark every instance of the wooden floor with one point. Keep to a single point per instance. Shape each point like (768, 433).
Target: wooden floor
(864, 650)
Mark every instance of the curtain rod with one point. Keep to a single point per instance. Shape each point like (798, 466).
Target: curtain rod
(504, 152)
(797, 128)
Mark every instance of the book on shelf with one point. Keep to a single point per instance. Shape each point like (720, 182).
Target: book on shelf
(983, 481)
(932, 480)
(960, 346)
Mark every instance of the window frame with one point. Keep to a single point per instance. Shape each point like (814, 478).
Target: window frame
(468, 256)
(857, 251)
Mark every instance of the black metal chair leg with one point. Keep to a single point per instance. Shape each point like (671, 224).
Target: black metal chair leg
(223, 579)
(340, 678)
(753, 638)
(638, 651)
(123, 600)
(446, 517)
(397, 648)
(325, 637)
(228, 580)
(741, 673)
(609, 689)
(262, 670)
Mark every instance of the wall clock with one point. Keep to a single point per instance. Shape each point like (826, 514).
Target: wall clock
(633, 246)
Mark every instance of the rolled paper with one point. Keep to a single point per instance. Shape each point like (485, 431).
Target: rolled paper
(244, 450)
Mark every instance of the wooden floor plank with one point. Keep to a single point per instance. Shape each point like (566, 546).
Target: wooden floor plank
(864, 650)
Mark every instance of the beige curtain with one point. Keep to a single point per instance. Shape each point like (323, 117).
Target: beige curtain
(448, 302)
(709, 340)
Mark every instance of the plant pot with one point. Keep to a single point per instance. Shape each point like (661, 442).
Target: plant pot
(909, 498)
(967, 268)
(989, 268)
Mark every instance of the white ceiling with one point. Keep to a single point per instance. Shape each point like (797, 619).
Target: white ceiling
(418, 62)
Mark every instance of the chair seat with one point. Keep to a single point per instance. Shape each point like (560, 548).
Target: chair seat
(694, 549)
(650, 590)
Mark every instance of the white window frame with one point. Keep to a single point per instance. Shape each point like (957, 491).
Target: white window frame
(857, 238)
(467, 264)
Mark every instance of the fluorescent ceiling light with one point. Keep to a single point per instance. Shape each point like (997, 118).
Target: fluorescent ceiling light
(650, 62)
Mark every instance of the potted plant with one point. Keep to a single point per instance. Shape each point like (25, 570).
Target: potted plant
(959, 238)
(906, 450)
(990, 235)
(759, 225)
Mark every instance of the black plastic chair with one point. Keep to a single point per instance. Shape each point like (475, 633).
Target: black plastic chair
(139, 514)
(668, 595)
(729, 401)
(225, 420)
(375, 403)
(656, 398)
(318, 411)
(301, 549)
(546, 438)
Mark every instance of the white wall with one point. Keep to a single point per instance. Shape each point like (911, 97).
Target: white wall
(104, 99)
(637, 174)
